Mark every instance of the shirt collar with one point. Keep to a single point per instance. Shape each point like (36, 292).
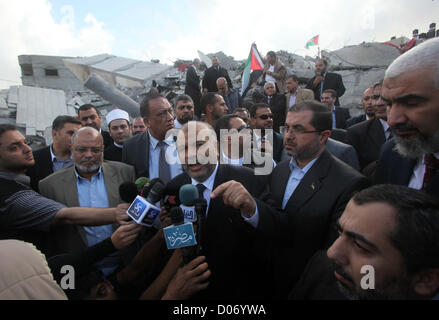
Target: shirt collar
(78, 177)
(118, 145)
(208, 183)
(384, 124)
(154, 141)
(23, 179)
(294, 165)
(54, 158)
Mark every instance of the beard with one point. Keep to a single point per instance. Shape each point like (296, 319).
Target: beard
(90, 168)
(418, 146)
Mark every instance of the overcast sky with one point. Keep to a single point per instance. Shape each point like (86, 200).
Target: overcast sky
(168, 30)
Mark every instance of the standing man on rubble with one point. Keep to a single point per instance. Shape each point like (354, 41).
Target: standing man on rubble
(193, 88)
(275, 71)
(212, 74)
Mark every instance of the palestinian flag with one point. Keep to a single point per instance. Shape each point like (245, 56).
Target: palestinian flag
(312, 42)
(254, 62)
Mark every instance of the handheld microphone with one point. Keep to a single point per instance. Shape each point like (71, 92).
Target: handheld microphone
(146, 188)
(143, 211)
(200, 209)
(128, 191)
(140, 182)
(188, 194)
(181, 235)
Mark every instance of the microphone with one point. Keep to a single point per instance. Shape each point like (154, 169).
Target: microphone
(140, 182)
(200, 210)
(128, 191)
(181, 235)
(146, 188)
(143, 210)
(188, 193)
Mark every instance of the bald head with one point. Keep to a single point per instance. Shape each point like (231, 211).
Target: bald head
(89, 132)
(424, 56)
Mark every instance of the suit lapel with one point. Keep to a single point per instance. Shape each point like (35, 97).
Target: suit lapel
(280, 181)
(376, 132)
(111, 185)
(70, 188)
(142, 159)
(311, 182)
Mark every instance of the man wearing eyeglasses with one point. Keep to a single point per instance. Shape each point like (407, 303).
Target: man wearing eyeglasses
(307, 195)
(261, 119)
(120, 130)
(184, 110)
(91, 182)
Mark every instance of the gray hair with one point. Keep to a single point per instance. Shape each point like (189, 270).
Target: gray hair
(268, 82)
(424, 55)
(87, 130)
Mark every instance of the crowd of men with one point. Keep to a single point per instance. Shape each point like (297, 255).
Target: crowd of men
(302, 200)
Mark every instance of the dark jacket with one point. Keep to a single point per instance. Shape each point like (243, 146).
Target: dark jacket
(331, 81)
(210, 77)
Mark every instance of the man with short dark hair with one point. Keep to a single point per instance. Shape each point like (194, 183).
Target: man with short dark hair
(184, 110)
(120, 130)
(325, 80)
(274, 71)
(231, 96)
(90, 116)
(56, 156)
(339, 115)
(387, 249)
(193, 88)
(294, 93)
(147, 151)
(138, 126)
(214, 107)
(309, 193)
(212, 74)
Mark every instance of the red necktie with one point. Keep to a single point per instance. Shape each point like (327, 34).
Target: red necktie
(431, 166)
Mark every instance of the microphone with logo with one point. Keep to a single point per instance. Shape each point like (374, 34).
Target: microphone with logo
(181, 235)
(143, 210)
(188, 194)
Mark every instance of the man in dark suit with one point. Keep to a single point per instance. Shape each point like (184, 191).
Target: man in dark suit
(90, 116)
(339, 115)
(277, 103)
(369, 111)
(310, 192)
(57, 156)
(193, 88)
(388, 239)
(325, 80)
(411, 91)
(227, 240)
(147, 151)
(367, 137)
(212, 74)
(261, 119)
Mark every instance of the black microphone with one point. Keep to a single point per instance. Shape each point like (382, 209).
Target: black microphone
(147, 187)
(128, 191)
(154, 195)
(200, 210)
(177, 217)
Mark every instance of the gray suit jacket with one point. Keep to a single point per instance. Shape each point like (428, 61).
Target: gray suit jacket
(302, 95)
(342, 151)
(61, 186)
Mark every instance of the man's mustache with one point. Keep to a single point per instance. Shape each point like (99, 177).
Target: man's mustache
(404, 127)
(340, 271)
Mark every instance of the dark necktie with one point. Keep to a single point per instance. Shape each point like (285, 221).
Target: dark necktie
(164, 170)
(201, 187)
(431, 166)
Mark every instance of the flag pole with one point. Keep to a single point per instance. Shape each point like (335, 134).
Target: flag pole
(319, 52)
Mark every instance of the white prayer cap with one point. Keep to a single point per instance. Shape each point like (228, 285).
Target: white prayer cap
(117, 114)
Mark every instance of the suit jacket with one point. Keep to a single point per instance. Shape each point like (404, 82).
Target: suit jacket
(278, 146)
(278, 108)
(42, 168)
(113, 153)
(317, 281)
(332, 81)
(302, 95)
(308, 222)
(395, 169)
(108, 140)
(193, 88)
(341, 117)
(61, 186)
(135, 152)
(367, 138)
(228, 240)
(210, 77)
(355, 120)
(339, 135)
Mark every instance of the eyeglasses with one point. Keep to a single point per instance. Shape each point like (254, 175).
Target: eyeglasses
(265, 116)
(298, 131)
(83, 150)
